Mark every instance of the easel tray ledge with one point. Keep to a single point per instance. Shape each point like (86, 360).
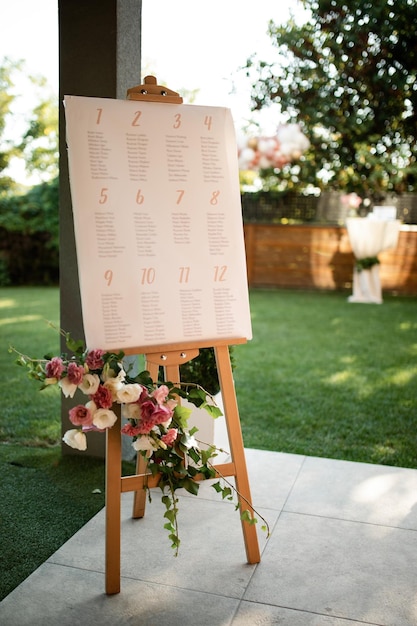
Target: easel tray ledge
(174, 347)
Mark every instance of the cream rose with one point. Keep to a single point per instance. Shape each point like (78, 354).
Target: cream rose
(90, 384)
(75, 439)
(129, 393)
(68, 388)
(132, 411)
(104, 418)
(108, 373)
(92, 406)
(115, 384)
(144, 442)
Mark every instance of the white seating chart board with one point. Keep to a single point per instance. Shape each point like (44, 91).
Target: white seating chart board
(158, 224)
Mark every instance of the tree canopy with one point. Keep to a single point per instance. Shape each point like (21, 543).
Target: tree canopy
(7, 150)
(35, 139)
(28, 215)
(349, 77)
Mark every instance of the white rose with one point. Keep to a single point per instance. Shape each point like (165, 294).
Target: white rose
(75, 439)
(132, 411)
(104, 418)
(68, 389)
(114, 385)
(144, 442)
(108, 374)
(90, 384)
(91, 406)
(129, 393)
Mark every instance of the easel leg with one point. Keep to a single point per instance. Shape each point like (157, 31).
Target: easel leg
(236, 448)
(139, 497)
(113, 508)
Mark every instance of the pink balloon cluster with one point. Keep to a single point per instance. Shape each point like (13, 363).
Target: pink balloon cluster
(257, 153)
(351, 200)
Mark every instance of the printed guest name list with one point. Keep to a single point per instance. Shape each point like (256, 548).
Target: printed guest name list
(158, 225)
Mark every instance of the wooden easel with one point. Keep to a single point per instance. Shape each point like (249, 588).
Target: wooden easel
(171, 357)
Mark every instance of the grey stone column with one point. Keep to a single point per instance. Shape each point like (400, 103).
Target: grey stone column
(99, 55)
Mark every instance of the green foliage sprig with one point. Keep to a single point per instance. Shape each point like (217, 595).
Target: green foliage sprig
(366, 263)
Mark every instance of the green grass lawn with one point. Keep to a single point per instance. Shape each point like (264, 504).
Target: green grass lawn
(28, 417)
(45, 499)
(324, 377)
(320, 377)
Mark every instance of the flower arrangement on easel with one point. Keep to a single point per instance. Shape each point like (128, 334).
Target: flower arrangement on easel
(154, 418)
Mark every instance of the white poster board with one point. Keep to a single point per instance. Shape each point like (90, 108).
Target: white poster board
(158, 223)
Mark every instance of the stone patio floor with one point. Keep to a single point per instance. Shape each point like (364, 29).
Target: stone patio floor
(342, 552)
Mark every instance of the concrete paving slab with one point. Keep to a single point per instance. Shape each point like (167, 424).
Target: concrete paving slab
(341, 553)
(343, 569)
(255, 614)
(63, 596)
(356, 491)
(212, 555)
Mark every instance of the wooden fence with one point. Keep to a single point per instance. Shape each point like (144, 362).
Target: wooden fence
(320, 257)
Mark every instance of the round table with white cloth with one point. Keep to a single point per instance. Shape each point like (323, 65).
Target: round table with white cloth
(369, 237)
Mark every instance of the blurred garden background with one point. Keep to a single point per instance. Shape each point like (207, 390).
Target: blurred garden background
(322, 376)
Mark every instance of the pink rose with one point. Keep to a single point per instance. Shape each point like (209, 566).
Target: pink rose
(144, 396)
(170, 436)
(94, 359)
(103, 397)
(54, 367)
(75, 373)
(153, 414)
(130, 430)
(80, 415)
(160, 394)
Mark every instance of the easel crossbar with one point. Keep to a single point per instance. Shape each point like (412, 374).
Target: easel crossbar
(139, 481)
